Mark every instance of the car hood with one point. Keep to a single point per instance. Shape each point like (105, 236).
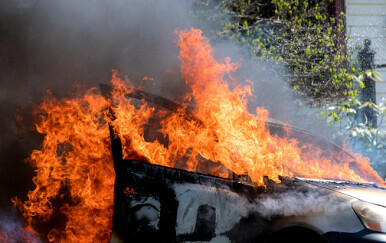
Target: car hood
(371, 195)
(368, 192)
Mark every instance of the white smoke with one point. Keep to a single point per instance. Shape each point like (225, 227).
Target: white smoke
(298, 203)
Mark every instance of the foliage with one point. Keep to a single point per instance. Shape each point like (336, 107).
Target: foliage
(363, 137)
(304, 36)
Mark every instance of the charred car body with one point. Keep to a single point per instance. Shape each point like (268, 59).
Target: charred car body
(158, 203)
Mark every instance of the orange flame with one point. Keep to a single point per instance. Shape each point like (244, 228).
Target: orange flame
(75, 166)
(228, 134)
(75, 176)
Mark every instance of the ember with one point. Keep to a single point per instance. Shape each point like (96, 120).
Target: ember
(75, 174)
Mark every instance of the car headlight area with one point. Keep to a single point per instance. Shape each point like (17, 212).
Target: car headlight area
(372, 216)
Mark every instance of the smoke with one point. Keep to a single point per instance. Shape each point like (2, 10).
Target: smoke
(12, 229)
(271, 91)
(55, 43)
(298, 203)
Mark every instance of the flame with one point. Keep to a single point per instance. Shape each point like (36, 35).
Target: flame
(74, 178)
(228, 134)
(74, 171)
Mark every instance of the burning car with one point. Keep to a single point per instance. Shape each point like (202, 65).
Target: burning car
(203, 169)
(159, 203)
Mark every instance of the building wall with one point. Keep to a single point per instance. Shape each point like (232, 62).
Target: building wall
(367, 19)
